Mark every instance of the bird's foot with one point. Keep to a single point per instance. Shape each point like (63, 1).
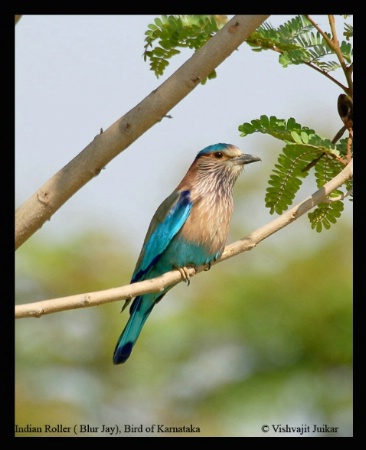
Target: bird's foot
(185, 274)
(208, 266)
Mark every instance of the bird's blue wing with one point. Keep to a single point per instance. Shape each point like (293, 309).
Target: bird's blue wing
(167, 221)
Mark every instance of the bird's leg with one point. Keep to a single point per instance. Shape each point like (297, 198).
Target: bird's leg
(208, 267)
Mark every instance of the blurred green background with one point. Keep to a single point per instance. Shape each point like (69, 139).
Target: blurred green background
(263, 338)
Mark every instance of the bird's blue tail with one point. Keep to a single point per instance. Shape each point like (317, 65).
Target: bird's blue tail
(139, 312)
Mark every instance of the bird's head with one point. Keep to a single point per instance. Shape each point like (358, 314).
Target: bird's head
(224, 159)
(216, 167)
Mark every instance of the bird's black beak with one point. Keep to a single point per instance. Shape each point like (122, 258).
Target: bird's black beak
(247, 159)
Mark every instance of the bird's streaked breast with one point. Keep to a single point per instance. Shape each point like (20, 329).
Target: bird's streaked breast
(209, 221)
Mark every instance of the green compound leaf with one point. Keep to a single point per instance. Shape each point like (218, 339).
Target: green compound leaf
(298, 42)
(285, 130)
(168, 34)
(286, 178)
(348, 31)
(303, 149)
(326, 214)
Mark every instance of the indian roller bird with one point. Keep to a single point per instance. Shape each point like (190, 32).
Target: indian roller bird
(188, 229)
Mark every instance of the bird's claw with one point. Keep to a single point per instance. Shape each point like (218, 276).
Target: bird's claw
(185, 274)
(208, 267)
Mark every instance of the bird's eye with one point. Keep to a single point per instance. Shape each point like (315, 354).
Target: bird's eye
(218, 155)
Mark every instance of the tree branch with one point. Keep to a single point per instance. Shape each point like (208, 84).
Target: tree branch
(107, 145)
(38, 309)
(333, 44)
